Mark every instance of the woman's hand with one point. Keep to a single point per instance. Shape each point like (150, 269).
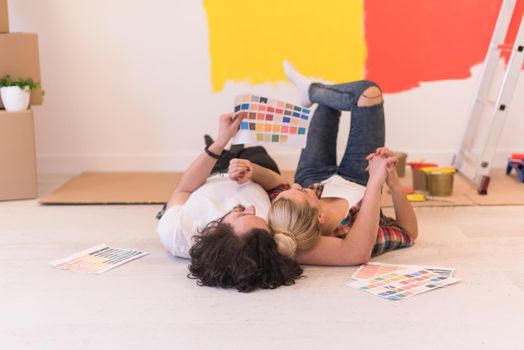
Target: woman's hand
(377, 168)
(240, 170)
(227, 128)
(382, 152)
(392, 179)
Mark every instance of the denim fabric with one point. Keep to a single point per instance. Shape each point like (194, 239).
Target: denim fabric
(318, 161)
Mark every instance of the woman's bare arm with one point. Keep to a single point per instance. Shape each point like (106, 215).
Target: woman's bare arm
(357, 246)
(404, 213)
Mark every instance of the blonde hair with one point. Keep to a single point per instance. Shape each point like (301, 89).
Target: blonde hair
(295, 226)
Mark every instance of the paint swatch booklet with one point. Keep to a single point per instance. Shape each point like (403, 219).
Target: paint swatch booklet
(269, 121)
(397, 282)
(97, 259)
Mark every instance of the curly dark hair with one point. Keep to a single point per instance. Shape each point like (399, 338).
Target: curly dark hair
(219, 258)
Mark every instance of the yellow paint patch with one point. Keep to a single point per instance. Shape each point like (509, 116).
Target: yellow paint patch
(248, 40)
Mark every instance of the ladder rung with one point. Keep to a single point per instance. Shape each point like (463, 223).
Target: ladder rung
(505, 47)
(486, 101)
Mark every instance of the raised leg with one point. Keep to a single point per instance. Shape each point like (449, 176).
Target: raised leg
(318, 160)
(367, 133)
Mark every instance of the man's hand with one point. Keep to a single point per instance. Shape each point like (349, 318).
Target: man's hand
(227, 128)
(240, 170)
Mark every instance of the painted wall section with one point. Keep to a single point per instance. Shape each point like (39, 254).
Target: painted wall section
(429, 40)
(249, 39)
(511, 35)
(418, 41)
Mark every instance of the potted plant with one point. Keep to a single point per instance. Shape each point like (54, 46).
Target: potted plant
(15, 94)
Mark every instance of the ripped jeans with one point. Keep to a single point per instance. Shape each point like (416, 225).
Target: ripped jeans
(318, 161)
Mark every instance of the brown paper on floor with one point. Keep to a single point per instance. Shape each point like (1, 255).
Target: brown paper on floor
(154, 188)
(502, 190)
(115, 188)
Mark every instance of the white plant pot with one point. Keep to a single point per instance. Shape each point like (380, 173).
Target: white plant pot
(14, 98)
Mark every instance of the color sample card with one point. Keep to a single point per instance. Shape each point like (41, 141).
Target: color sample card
(97, 259)
(370, 270)
(269, 121)
(397, 285)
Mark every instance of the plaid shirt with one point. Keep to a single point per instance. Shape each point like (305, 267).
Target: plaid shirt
(390, 234)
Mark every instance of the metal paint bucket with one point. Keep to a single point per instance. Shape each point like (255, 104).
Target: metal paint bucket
(440, 183)
(401, 164)
(418, 171)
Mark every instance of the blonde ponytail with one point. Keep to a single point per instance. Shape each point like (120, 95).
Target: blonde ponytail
(298, 222)
(286, 244)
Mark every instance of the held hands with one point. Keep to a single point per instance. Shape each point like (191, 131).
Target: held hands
(240, 170)
(227, 128)
(382, 167)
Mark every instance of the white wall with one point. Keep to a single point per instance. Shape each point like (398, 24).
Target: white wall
(128, 88)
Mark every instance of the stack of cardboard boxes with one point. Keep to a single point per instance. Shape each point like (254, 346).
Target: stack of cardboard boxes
(18, 58)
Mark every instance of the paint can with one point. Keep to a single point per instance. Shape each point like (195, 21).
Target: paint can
(440, 181)
(418, 171)
(401, 164)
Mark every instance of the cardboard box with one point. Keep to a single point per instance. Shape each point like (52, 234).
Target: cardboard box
(17, 155)
(19, 58)
(4, 18)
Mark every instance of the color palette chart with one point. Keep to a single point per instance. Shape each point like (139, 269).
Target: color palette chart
(97, 259)
(269, 121)
(403, 284)
(370, 270)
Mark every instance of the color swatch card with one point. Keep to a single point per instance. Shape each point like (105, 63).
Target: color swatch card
(370, 270)
(402, 285)
(268, 121)
(97, 259)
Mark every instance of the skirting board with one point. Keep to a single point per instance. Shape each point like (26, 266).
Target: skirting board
(170, 162)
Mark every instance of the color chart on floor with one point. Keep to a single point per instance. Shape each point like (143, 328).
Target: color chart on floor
(402, 285)
(370, 270)
(269, 121)
(97, 259)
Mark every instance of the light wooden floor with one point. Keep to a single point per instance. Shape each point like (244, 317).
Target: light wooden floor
(150, 304)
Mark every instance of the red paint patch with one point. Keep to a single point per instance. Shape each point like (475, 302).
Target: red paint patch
(415, 41)
(514, 27)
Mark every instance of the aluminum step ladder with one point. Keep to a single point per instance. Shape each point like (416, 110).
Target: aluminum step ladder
(487, 115)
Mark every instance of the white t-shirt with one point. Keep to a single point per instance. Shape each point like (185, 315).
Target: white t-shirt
(338, 187)
(212, 200)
